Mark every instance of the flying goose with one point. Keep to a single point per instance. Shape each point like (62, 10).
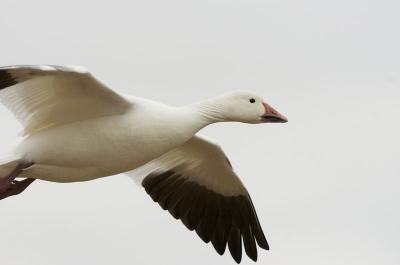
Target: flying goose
(78, 129)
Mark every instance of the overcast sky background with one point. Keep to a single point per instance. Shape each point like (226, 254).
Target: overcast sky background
(325, 185)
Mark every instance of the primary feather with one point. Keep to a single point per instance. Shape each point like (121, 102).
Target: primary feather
(217, 205)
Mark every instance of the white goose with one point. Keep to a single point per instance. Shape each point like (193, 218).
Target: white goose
(77, 129)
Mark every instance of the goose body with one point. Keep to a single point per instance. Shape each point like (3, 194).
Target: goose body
(109, 145)
(78, 129)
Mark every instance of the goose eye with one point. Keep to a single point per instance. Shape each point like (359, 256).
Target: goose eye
(252, 100)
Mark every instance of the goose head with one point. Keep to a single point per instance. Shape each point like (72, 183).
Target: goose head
(241, 106)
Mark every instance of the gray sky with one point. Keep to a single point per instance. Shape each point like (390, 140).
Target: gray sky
(326, 184)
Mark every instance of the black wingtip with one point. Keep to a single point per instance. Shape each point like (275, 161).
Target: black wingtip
(223, 220)
(219, 240)
(253, 258)
(235, 244)
(220, 248)
(263, 244)
(6, 79)
(249, 243)
(201, 233)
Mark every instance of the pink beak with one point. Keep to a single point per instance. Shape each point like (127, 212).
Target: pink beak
(271, 115)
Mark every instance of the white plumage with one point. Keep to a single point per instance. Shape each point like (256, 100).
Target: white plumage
(77, 129)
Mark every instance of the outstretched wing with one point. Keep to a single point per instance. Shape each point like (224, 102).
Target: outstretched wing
(196, 183)
(44, 96)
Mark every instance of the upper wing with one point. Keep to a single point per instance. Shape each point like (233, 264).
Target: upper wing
(196, 183)
(44, 96)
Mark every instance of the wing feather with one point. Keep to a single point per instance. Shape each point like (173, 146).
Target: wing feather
(196, 183)
(45, 96)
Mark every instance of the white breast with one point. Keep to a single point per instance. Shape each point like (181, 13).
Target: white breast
(104, 146)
